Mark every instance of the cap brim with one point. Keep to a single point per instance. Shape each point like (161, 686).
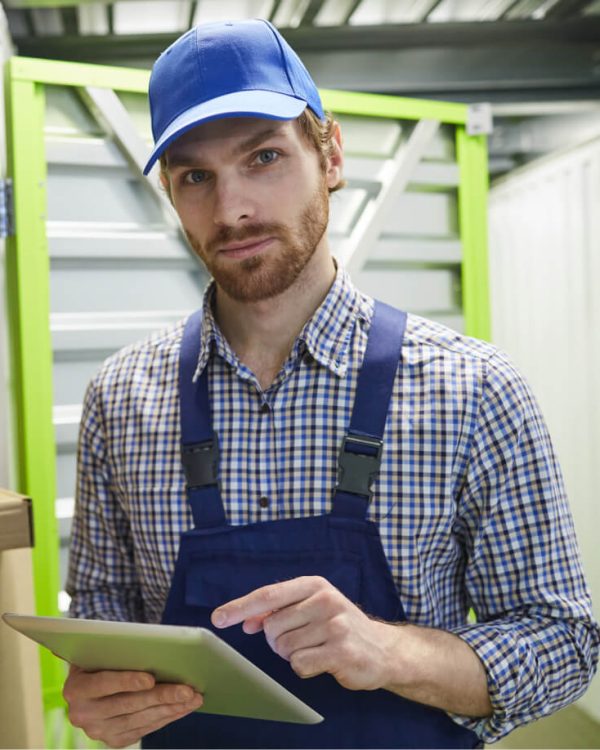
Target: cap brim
(240, 104)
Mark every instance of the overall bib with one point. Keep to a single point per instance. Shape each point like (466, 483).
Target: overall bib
(218, 562)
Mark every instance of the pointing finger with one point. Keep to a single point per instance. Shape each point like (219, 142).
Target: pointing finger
(261, 602)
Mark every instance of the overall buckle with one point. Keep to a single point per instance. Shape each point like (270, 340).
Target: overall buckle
(358, 470)
(201, 462)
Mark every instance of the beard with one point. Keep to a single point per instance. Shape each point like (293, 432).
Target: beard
(271, 273)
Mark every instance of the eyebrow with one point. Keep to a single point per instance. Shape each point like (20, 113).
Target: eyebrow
(256, 139)
(186, 159)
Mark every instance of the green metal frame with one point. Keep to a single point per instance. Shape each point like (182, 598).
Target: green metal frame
(27, 275)
(471, 152)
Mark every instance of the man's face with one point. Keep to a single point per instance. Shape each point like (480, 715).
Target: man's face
(253, 201)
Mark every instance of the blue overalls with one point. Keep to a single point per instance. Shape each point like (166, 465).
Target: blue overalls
(218, 562)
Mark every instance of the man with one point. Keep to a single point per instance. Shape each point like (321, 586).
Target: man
(209, 490)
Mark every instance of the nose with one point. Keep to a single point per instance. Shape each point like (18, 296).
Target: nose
(232, 201)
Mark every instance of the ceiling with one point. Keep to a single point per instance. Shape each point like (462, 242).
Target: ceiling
(503, 50)
(90, 17)
(536, 61)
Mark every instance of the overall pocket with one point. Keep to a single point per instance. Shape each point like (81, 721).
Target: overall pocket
(215, 578)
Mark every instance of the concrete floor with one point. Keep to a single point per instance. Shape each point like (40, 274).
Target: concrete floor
(569, 728)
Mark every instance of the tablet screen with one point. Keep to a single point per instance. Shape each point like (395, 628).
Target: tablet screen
(229, 682)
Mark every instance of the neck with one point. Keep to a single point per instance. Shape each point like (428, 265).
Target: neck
(262, 333)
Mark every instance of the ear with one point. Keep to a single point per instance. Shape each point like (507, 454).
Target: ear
(335, 162)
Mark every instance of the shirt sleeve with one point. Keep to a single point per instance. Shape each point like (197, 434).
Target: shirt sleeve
(102, 579)
(535, 633)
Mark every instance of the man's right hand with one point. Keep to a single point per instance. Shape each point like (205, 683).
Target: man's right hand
(119, 708)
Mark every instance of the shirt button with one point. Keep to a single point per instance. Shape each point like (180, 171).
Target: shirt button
(265, 409)
(263, 502)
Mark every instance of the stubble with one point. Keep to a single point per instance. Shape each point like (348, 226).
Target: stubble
(267, 275)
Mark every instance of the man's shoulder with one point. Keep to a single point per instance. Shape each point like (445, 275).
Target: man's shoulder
(425, 337)
(438, 351)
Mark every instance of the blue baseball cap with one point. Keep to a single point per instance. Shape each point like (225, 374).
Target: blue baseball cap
(226, 69)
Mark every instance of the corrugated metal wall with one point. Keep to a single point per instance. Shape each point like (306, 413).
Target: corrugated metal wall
(416, 263)
(545, 295)
(118, 270)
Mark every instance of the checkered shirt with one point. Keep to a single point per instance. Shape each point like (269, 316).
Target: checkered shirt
(469, 502)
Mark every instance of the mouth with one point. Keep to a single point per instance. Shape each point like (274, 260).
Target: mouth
(240, 250)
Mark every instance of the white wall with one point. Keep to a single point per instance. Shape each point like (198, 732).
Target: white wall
(545, 287)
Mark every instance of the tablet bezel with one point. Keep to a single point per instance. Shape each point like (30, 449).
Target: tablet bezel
(230, 683)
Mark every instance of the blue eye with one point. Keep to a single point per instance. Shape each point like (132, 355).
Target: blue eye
(267, 156)
(195, 177)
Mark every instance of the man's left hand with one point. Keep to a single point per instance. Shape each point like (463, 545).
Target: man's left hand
(317, 629)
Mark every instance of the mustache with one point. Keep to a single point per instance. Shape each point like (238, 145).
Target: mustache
(239, 234)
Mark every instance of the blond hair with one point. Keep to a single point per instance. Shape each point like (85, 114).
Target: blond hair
(319, 134)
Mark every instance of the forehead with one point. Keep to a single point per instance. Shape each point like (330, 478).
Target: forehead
(233, 133)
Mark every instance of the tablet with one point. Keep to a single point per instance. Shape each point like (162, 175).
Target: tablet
(230, 683)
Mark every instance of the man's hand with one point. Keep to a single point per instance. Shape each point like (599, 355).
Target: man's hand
(311, 624)
(120, 707)
(317, 629)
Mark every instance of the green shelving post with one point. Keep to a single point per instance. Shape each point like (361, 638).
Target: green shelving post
(27, 279)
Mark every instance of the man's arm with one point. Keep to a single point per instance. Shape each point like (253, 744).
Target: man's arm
(535, 632)
(102, 579)
(115, 707)
(439, 669)
(311, 624)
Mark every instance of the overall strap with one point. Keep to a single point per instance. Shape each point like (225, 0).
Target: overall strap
(360, 455)
(199, 443)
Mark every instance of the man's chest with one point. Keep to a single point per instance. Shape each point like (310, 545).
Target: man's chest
(278, 453)
(278, 459)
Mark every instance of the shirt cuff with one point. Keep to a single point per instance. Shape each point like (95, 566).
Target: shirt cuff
(501, 654)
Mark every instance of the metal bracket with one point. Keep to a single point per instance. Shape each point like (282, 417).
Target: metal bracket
(110, 112)
(7, 210)
(395, 176)
(479, 119)
(358, 471)
(201, 463)
(116, 120)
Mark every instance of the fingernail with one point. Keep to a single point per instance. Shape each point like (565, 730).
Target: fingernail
(219, 618)
(184, 694)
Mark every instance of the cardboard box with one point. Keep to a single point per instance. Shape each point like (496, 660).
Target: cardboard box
(21, 714)
(16, 521)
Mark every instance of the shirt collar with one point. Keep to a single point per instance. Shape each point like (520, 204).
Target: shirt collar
(326, 335)
(211, 337)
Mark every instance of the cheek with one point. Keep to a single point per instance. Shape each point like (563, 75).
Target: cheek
(177, 201)
(296, 192)
(192, 212)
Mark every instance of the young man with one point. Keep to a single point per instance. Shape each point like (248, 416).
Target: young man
(343, 480)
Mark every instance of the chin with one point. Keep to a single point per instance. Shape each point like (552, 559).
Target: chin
(254, 281)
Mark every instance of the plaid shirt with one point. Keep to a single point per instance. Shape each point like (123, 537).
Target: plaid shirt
(469, 502)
